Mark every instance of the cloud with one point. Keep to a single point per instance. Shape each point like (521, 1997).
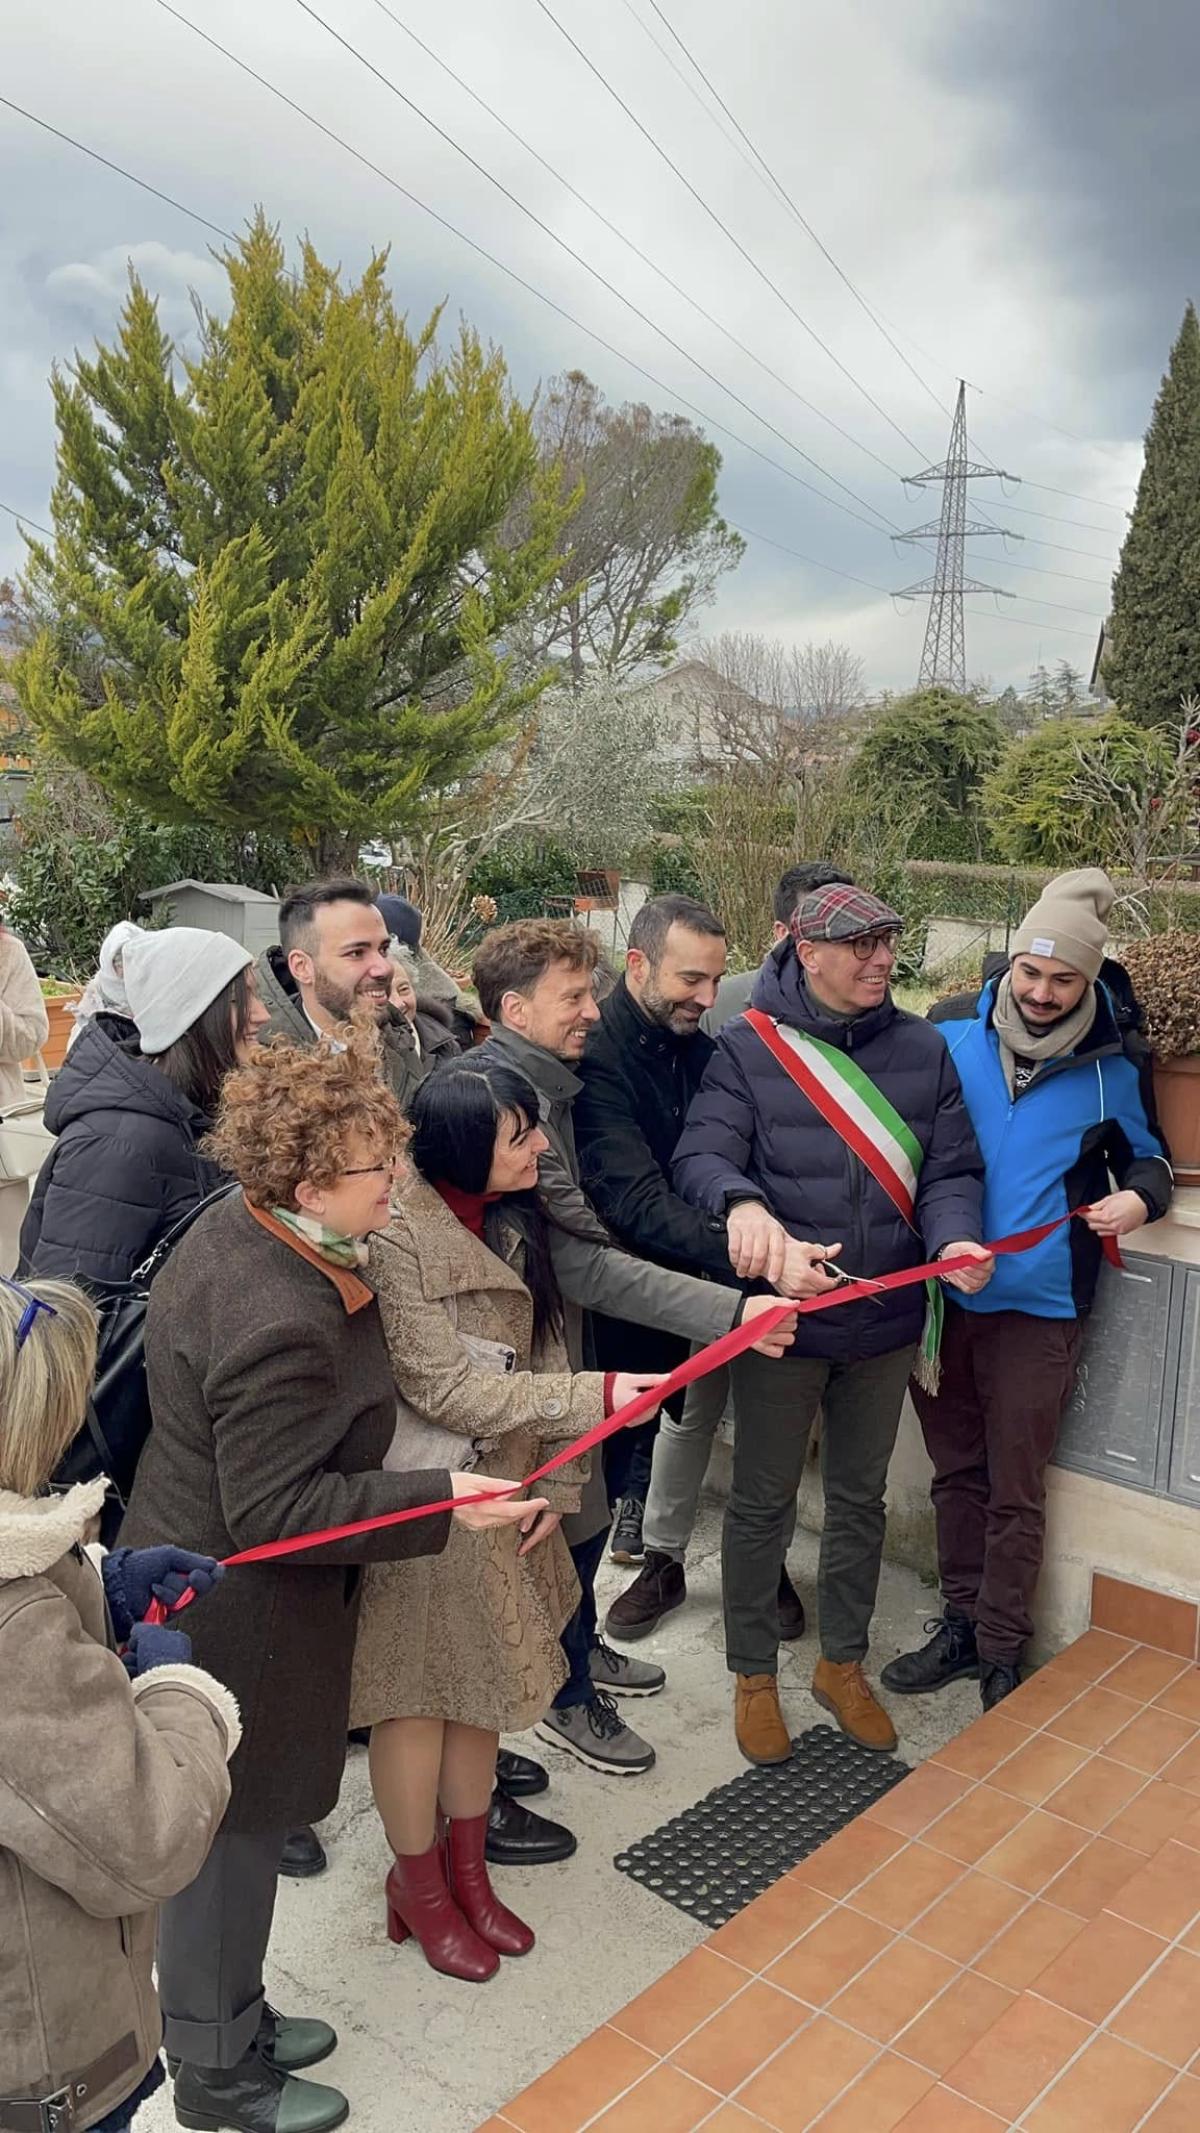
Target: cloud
(1014, 187)
(91, 291)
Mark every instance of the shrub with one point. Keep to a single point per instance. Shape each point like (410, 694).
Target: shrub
(1166, 978)
(83, 861)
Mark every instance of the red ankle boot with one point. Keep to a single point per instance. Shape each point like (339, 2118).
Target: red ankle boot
(420, 1904)
(467, 1875)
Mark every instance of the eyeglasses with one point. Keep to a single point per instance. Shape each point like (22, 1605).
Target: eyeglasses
(865, 944)
(33, 1304)
(372, 1170)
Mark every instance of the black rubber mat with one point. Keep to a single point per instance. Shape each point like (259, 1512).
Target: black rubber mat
(716, 1857)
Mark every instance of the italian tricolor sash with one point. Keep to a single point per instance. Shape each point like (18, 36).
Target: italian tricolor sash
(873, 1130)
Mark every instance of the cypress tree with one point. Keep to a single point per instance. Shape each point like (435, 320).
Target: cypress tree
(279, 587)
(1152, 658)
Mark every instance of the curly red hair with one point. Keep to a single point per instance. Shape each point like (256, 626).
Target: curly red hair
(296, 1112)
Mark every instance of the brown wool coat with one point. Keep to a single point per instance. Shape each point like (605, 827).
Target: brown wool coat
(472, 1637)
(273, 1407)
(110, 1795)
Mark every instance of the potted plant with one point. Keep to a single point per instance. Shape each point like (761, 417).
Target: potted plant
(60, 996)
(1165, 970)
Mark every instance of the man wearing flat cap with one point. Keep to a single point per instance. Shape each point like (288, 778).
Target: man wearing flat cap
(1060, 1101)
(829, 1108)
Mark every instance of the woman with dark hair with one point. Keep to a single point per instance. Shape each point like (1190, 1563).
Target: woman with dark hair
(130, 1110)
(452, 1653)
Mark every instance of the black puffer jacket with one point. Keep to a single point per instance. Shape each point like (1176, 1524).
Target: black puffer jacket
(125, 1167)
(751, 1134)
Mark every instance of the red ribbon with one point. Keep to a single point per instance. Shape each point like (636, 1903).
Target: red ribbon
(699, 1365)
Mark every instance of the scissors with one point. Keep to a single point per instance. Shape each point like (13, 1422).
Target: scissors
(849, 1279)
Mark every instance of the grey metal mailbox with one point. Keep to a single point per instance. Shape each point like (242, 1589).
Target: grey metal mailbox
(246, 915)
(1185, 1451)
(1113, 1424)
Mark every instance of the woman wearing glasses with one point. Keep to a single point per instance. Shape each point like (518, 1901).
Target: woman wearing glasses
(112, 1777)
(273, 1408)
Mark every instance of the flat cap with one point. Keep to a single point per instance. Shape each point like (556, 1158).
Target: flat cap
(841, 912)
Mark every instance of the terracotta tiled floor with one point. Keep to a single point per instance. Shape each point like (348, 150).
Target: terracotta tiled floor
(1010, 1939)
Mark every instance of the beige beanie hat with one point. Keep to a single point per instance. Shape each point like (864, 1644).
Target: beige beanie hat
(1069, 921)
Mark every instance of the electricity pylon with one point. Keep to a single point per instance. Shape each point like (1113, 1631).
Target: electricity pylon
(944, 658)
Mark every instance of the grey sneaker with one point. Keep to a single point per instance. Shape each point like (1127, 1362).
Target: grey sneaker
(622, 1676)
(596, 1734)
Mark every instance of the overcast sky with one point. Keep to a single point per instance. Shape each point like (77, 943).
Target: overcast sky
(1011, 184)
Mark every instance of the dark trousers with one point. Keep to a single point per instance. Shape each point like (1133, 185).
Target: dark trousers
(579, 1637)
(629, 1455)
(212, 1943)
(776, 1401)
(990, 1431)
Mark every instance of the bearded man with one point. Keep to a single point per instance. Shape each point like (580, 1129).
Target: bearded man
(1059, 1096)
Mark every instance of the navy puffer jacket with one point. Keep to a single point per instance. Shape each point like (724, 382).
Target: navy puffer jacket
(751, 1134)
(125, 1167)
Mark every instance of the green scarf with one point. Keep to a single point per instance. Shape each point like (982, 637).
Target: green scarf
(330, 1243)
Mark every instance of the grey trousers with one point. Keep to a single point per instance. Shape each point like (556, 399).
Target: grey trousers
(776, 1402)
(212, 1943)
(682, 1450)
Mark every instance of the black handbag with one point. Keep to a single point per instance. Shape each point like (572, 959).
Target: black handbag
(117, 1422)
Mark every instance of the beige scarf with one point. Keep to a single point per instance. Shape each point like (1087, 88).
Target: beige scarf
(1018, 1042)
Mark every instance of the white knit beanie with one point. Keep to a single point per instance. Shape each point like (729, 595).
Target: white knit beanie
(1069, 921)
(172, 976)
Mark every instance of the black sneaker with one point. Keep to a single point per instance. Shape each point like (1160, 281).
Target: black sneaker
(659, 1586)
(303, 1855)
(791, 1610)
(996, 1681)
(950, 1655)
(626, 1545)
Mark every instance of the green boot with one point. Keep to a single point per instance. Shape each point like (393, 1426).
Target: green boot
(254, 2097)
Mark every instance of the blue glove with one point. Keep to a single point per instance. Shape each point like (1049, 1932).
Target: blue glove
(135, 1576)
(151, 1645)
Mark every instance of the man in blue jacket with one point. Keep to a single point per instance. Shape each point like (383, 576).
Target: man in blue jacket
(829, 1108)
(1056, 1099)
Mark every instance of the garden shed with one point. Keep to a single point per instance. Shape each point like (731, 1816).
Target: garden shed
(246, 915)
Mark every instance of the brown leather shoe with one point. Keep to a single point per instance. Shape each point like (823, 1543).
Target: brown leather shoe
(761, 1733)
(844, 1690)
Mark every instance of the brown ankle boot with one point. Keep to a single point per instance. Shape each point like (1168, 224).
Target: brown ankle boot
(844, 1690)
(419, 1903)
(467, 1874)
(758, 1720)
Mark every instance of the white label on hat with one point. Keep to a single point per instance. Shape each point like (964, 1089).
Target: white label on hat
(1041, 946)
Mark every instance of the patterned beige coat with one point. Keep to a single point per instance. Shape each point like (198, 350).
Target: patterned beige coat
(472, 1637)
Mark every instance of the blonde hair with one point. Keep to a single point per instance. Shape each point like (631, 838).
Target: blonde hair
(44, 1384)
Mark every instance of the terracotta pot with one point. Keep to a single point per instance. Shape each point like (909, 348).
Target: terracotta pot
(54, 1051)
(1177, 1094)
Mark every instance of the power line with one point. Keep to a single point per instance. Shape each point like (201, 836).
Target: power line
(577, 257)
(480, 251)
(22, 517)
(628, 241)
(1051, 629)
(876, 317)
(795, 211)
(722, 226)
(810, 559)
(121, 172)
